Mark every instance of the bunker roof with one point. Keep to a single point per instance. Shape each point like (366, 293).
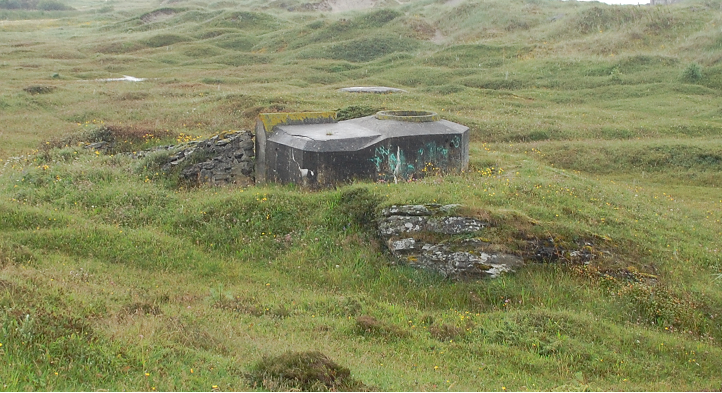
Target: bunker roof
(357, 134)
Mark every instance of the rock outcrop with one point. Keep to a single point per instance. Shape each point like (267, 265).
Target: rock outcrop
(431, 237)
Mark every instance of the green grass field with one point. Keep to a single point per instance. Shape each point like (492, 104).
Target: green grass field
(590, 124)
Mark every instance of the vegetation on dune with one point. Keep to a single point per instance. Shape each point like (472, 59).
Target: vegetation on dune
(44, 5)
(592, 126)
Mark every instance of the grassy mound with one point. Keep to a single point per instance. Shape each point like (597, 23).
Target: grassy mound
(304, 371)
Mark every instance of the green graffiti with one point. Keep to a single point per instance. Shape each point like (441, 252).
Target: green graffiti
(397, 160)
(393, 163)
(379, 155)
(377, 162)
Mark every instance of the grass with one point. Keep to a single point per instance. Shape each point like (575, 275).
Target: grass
(591, 125)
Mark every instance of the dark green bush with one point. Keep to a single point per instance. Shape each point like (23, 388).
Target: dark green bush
(692, 73)
(355, 111)
(161, 40)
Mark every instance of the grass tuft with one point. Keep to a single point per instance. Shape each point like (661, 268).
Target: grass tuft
(368, 325)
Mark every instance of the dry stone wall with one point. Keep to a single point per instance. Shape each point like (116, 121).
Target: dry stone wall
(222, 159)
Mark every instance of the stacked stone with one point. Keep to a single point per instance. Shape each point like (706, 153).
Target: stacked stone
(231, 160)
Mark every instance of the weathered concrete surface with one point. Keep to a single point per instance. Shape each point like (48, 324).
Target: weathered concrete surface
(425, 237)
(386, 147)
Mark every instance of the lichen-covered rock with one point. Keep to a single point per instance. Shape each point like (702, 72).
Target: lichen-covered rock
(468, 259)
(397, 225)
(454, 225)
(417, 218)
(406, 230)
(407, 210)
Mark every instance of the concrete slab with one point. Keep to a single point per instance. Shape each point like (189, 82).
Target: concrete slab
(373, 89)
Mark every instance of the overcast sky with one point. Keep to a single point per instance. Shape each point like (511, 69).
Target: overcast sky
(622, 1)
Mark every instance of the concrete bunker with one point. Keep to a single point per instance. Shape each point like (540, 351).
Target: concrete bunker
(315, 150)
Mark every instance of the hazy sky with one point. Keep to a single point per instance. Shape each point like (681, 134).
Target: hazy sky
(622, 1)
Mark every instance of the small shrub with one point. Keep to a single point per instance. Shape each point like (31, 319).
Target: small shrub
(615, 75)
(161, 40)
(355, 111)
(692, 73)
(304, 371)
(39, 89)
